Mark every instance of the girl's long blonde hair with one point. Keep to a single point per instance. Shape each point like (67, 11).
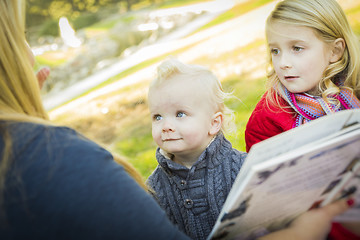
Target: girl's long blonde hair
(329, 21)
(20, 98)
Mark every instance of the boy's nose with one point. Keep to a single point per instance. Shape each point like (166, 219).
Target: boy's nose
(168, 127)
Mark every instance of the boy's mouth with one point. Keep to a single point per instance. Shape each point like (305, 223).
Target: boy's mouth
(169, 139)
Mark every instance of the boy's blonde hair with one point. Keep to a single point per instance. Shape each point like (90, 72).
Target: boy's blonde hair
(173, 67)
(329, 21)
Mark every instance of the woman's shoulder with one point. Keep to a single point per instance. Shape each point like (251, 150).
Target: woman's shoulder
(27, 131)
(30, 131)
(52, 142)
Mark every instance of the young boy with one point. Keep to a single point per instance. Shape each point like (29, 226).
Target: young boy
(197, 164)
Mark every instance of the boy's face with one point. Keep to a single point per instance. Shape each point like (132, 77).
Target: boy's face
(299, 57)
(181, 114)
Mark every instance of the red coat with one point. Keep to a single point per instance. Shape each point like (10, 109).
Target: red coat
(267, 121)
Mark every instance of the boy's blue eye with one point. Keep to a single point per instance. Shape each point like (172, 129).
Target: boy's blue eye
(157, 117)
(180, 114)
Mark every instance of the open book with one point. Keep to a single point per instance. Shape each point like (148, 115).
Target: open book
(286, 175)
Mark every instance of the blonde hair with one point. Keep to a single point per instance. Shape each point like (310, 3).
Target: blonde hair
(19, 89)
(20, 98)
(172, 67)
(329, 21)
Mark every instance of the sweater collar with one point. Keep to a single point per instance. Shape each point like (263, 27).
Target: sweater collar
(211, 156)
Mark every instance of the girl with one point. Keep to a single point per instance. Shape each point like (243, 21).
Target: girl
(313, 67)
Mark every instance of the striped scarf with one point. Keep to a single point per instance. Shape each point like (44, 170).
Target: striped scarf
(312, 107)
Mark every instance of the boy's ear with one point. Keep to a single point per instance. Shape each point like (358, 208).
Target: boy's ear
(216, 123)
(338, 48)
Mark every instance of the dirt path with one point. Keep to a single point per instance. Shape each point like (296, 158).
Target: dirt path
(212, 42)
(225, 37)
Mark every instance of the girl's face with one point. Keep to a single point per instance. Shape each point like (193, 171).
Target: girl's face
(181, 117)
(299, 57)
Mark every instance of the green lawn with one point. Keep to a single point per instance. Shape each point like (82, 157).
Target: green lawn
(126, 127)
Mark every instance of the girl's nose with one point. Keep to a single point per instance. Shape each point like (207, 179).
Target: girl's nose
(285, 62)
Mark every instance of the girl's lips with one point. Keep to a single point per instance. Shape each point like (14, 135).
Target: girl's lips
(290, 78)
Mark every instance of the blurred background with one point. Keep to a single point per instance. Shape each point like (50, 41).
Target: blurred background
(103, 54)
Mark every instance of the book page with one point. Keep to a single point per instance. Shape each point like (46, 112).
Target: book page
(277, 191)
(303, 135)
(352, 188)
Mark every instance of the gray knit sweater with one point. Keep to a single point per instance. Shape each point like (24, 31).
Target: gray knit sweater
(193, 198)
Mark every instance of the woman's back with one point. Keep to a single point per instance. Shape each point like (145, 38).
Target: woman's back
(63, 186)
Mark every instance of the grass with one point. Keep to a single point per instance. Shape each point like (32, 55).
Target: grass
(108, 24)
(353, 15)
(130, 71)
(125, 126)
(127, 18)
(50, 61)
(236, 11)
(249, 94)
(179, 3)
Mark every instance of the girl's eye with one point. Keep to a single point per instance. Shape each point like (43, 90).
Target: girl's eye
(180, 114)
(157, 117)
(274, 51)
(297, 49)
